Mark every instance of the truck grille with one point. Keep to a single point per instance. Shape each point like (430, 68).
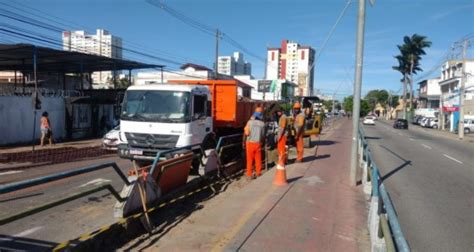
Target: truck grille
(151, 141)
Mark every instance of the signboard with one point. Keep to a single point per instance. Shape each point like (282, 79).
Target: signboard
(450, 109)
(264, 85)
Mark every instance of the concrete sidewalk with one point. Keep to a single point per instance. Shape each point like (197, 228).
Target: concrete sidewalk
(317, 211)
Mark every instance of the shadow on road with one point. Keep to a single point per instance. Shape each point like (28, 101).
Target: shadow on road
(294, 179)
(324, 142)
(406, 163)
(11, 243)
(386, 176)
(372, 138)
(21, 197)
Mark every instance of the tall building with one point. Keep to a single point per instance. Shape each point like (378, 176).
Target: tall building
(102, 43)
(233, 65)
(293, 62)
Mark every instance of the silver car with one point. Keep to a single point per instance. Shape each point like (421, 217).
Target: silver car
(111, 140)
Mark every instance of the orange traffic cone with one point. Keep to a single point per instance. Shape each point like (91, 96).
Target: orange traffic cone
(280, 176)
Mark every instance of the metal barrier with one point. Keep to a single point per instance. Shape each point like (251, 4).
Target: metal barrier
(226, 145)
(43, 180)
(387, 225)
(159, 154)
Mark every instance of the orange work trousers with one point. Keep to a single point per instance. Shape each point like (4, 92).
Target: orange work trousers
(254, 153)
(281, 146)
(299, 148)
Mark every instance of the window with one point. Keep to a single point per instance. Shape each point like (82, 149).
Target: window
(302, 55)
(273, 56)
(199, 106)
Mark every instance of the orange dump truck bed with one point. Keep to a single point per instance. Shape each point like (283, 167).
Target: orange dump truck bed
(228, 109)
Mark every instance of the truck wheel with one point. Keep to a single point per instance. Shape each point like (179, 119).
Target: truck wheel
(307, 142)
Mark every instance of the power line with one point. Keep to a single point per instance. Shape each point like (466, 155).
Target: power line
(206, 29)
(55, 28)
(331, 31)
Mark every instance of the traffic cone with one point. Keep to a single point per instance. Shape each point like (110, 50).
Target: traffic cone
(280, 176)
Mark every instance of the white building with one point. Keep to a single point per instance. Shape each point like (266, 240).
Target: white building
(102, 43)
(429, 93)
(292, 62)
(450, 84)
(233, 65)
(188, 72)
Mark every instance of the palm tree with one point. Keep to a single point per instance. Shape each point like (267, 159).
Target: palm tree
(409, 61)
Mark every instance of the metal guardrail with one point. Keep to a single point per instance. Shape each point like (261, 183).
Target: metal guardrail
(386, 211)
(160, 154)
(45, 179)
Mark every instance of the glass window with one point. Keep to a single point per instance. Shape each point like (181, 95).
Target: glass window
(199, 106)
(159, 106)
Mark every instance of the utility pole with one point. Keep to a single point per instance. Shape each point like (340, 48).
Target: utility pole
(217, 54)
(461, 91)
(357, 88)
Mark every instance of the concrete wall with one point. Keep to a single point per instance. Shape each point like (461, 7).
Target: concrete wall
(17, 118)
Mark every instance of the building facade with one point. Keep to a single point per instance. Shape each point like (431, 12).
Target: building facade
(102, 43)
(233, 65)
(293, 62)
(429, 93)
(450, 84)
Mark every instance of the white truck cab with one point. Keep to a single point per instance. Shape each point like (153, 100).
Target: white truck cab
(163, 116)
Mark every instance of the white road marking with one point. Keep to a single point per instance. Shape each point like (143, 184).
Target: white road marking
(411, 139)
(95, 182)
(453, 158)
(28, 231)
(9, 172)
(426, 146)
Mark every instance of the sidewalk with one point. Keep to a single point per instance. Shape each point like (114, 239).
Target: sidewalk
(317, 211)
(21, 157)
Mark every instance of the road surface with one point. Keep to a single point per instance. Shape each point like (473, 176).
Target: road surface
(430, 180)
(42, 230)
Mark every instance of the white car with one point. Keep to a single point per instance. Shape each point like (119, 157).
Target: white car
(111, 140)
(369, 120)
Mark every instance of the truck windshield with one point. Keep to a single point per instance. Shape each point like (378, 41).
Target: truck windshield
(156, 106)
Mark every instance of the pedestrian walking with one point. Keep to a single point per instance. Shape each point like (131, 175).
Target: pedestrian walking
(253, 138)
(46, 131)
(299, 122)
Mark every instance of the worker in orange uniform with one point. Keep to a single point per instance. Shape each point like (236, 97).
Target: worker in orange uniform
(253, 137)
(282, 137)
(299, 122)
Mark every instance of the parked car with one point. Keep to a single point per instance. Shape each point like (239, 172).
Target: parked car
(369, 120)
(416, 119)
(111, 140)
(433, 123)
(400, 124)
(468, 126)
(425, 121)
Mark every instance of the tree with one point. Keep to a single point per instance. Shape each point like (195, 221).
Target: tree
(376, 96)
(409, 62)
(364, 108)
(347, 103)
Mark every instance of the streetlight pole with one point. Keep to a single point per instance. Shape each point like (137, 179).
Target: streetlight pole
(461, 91)
(357, 89)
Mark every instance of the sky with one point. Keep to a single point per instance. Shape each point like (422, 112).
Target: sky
(258, 24)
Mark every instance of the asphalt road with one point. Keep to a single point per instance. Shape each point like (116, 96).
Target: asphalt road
(42, 230)
(431, 182)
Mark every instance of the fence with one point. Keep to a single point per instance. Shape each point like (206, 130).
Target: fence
(383, 220)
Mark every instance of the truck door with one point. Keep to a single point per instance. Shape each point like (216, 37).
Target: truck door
(200, 126)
